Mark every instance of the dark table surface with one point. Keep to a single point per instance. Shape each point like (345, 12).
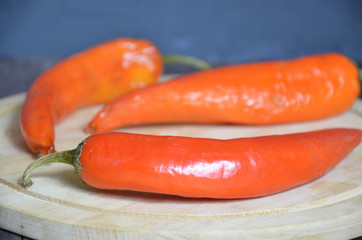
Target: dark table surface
(16, 76)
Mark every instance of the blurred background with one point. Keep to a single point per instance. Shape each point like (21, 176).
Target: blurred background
(36, 34)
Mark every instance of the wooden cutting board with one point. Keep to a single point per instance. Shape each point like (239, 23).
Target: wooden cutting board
(59, 206)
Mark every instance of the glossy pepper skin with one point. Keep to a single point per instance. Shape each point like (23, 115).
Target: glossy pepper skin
(206, 168)
(303, 89)
(94, 76)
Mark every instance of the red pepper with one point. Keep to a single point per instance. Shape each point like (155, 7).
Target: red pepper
(200, 167)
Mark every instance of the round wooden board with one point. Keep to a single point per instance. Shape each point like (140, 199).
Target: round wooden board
(59, 206)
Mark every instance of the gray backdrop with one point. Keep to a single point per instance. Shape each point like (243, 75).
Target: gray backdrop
(36, 33)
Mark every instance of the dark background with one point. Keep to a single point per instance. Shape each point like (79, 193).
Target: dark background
(34, 34)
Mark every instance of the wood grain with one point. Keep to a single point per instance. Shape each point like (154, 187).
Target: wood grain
(59, 205)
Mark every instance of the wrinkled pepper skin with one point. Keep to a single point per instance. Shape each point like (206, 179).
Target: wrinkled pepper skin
(212, 168)
(303, 89)
(94, 76)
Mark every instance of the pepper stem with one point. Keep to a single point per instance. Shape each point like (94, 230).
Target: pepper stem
(67, 157)
(188, 60)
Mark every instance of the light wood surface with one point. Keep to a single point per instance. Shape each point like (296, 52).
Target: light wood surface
(59, 206)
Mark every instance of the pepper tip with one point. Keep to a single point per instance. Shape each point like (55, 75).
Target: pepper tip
(90, 130)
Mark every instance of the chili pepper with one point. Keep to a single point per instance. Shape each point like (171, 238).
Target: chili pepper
(203, 167)
(308, 88)
(93, 76)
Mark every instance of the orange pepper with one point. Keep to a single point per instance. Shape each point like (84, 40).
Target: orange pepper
(94, 76)
(308, 88)
(202, 167)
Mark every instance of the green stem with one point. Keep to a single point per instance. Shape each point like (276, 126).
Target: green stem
(68, 157)
(188, 60)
